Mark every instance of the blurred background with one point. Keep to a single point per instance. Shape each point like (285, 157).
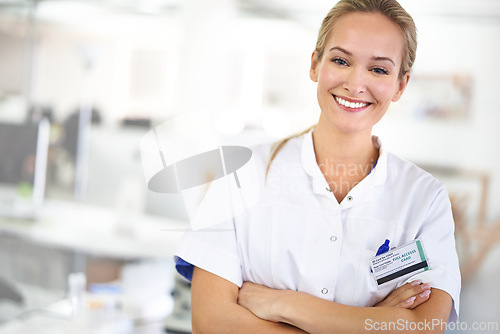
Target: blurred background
(81, 82)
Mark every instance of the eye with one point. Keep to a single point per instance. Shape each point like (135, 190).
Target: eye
(380, 70)
(340, 61)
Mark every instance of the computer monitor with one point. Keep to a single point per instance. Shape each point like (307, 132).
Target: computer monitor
(115, 177)
(23, 167)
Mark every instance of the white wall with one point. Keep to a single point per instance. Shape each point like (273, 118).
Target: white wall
(450, 46)
(119, 54)
(157, 67)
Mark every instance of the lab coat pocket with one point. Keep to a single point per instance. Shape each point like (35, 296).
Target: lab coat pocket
(377, 232)
(367, 292)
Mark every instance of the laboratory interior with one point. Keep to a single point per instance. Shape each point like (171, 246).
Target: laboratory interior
(87, 243)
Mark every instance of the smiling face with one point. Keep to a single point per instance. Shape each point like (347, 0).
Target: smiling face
(358, 74)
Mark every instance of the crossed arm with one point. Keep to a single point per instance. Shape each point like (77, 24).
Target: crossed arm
(219, 306)
(214, 309)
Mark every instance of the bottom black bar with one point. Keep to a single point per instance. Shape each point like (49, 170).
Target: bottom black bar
(402, 272)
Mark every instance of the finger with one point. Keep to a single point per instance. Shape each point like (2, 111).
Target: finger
(414, 291)
(421, 298)
(408, 304)
(401, 294)
(415, 301)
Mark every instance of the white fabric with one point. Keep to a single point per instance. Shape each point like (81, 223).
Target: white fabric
(299, 237)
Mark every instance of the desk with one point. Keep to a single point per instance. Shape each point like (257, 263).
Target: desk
(52, 315)
(72, 234)
(99, 231)
(56, 318)
(70, 237)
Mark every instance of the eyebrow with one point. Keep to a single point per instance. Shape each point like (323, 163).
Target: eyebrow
(373, 58)
(341, 50)
(384, 59)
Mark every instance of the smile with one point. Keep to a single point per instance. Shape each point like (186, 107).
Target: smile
(352, 105)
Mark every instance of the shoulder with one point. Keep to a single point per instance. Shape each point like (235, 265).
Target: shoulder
(410, 178)
(410, 169)
(287, 149)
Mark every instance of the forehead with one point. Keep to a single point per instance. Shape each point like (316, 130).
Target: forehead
(371, 34)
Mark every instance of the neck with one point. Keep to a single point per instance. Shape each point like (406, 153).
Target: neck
(334, 147)
(344, 158)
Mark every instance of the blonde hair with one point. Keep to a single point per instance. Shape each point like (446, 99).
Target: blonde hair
(279, 145)
(389, 8)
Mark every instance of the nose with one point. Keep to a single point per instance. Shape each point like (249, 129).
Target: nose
(355, 81)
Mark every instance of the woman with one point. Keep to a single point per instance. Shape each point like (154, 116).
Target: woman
(300, 260)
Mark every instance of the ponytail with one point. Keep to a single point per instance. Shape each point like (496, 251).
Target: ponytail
(279, 145)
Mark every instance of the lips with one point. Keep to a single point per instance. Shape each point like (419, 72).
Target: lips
(351, 104)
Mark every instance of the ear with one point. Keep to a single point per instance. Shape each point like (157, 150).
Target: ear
(401, 87)
(313, 72)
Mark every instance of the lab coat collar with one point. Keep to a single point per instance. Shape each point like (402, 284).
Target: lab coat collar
(380, 171)
(377, 176)
(311, 167)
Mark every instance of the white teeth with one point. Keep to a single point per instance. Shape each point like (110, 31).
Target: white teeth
(350, 104)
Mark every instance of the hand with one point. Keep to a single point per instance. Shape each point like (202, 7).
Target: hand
(260, 300)
(407, 296)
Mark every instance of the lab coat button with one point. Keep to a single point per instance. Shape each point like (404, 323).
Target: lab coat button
(324, 291)
(333, 238)
(350, 198)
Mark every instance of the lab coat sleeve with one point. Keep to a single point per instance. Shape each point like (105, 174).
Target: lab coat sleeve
(213, 249)
(437, 236)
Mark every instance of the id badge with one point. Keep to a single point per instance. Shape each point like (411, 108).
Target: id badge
(398, 262)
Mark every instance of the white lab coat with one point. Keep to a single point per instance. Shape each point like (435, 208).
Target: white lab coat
(299, 237)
